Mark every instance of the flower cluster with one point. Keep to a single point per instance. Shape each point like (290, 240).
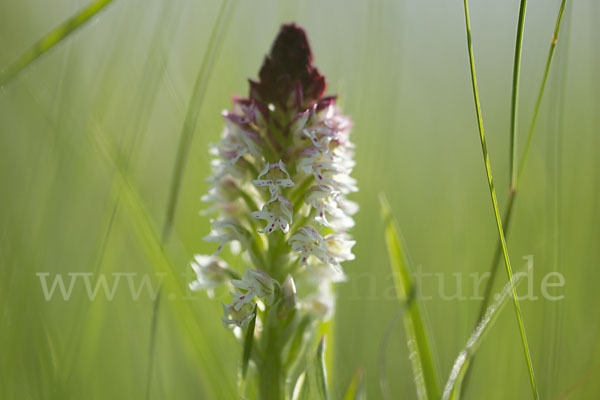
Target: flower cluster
(281, 174)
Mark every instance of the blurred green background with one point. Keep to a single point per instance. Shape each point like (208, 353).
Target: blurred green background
(401, 69)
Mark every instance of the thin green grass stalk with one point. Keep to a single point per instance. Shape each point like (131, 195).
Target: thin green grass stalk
(356, 388)
(425, 370)
(325, 329)
(452, 390)
(488, 169)
(193, 111)
(313, 385)
(523, 160)
(515, 94)
(53, 38)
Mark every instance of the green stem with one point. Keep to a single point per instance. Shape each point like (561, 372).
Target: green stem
(496, 260)
(271, 372)
(515, 94)
(495, 203)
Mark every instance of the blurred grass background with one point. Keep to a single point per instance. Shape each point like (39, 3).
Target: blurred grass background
(401, 69)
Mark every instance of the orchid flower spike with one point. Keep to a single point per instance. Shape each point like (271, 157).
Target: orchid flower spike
(281, 175)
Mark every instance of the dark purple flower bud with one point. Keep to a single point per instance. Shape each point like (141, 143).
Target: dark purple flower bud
(288, 79)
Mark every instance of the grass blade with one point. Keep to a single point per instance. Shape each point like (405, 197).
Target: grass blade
(319, 369)
(193, 110)
(52, 38)
(424, 368)
(314, 384)
(248, 342)
(488, 170)
(356, 389)
(463, 361)
(515, 94)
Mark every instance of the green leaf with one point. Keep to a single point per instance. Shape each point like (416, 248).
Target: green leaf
(418, 338)
(297, 342)
(515, 94)
(356, 389)
(312, 384)
(248, 342)
(463, 361)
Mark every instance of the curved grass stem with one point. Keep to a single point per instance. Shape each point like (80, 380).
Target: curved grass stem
(495, 203)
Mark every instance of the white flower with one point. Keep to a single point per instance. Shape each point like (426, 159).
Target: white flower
(331, 250)
(320, 143)
(237, 141)
(255, 283)
(211, 272)
(226, 230)
(331, 208)
(321, 165)
(237, 312)
(273, 176)
(339, 248)
(308, 242)
(278, 214)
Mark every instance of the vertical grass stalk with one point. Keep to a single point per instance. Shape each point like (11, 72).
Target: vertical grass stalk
(495, 202)
(515, 95)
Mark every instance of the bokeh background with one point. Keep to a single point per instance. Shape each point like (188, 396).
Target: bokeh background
(401, 70)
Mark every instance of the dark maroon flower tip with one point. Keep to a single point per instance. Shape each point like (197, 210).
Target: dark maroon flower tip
(287, 76)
